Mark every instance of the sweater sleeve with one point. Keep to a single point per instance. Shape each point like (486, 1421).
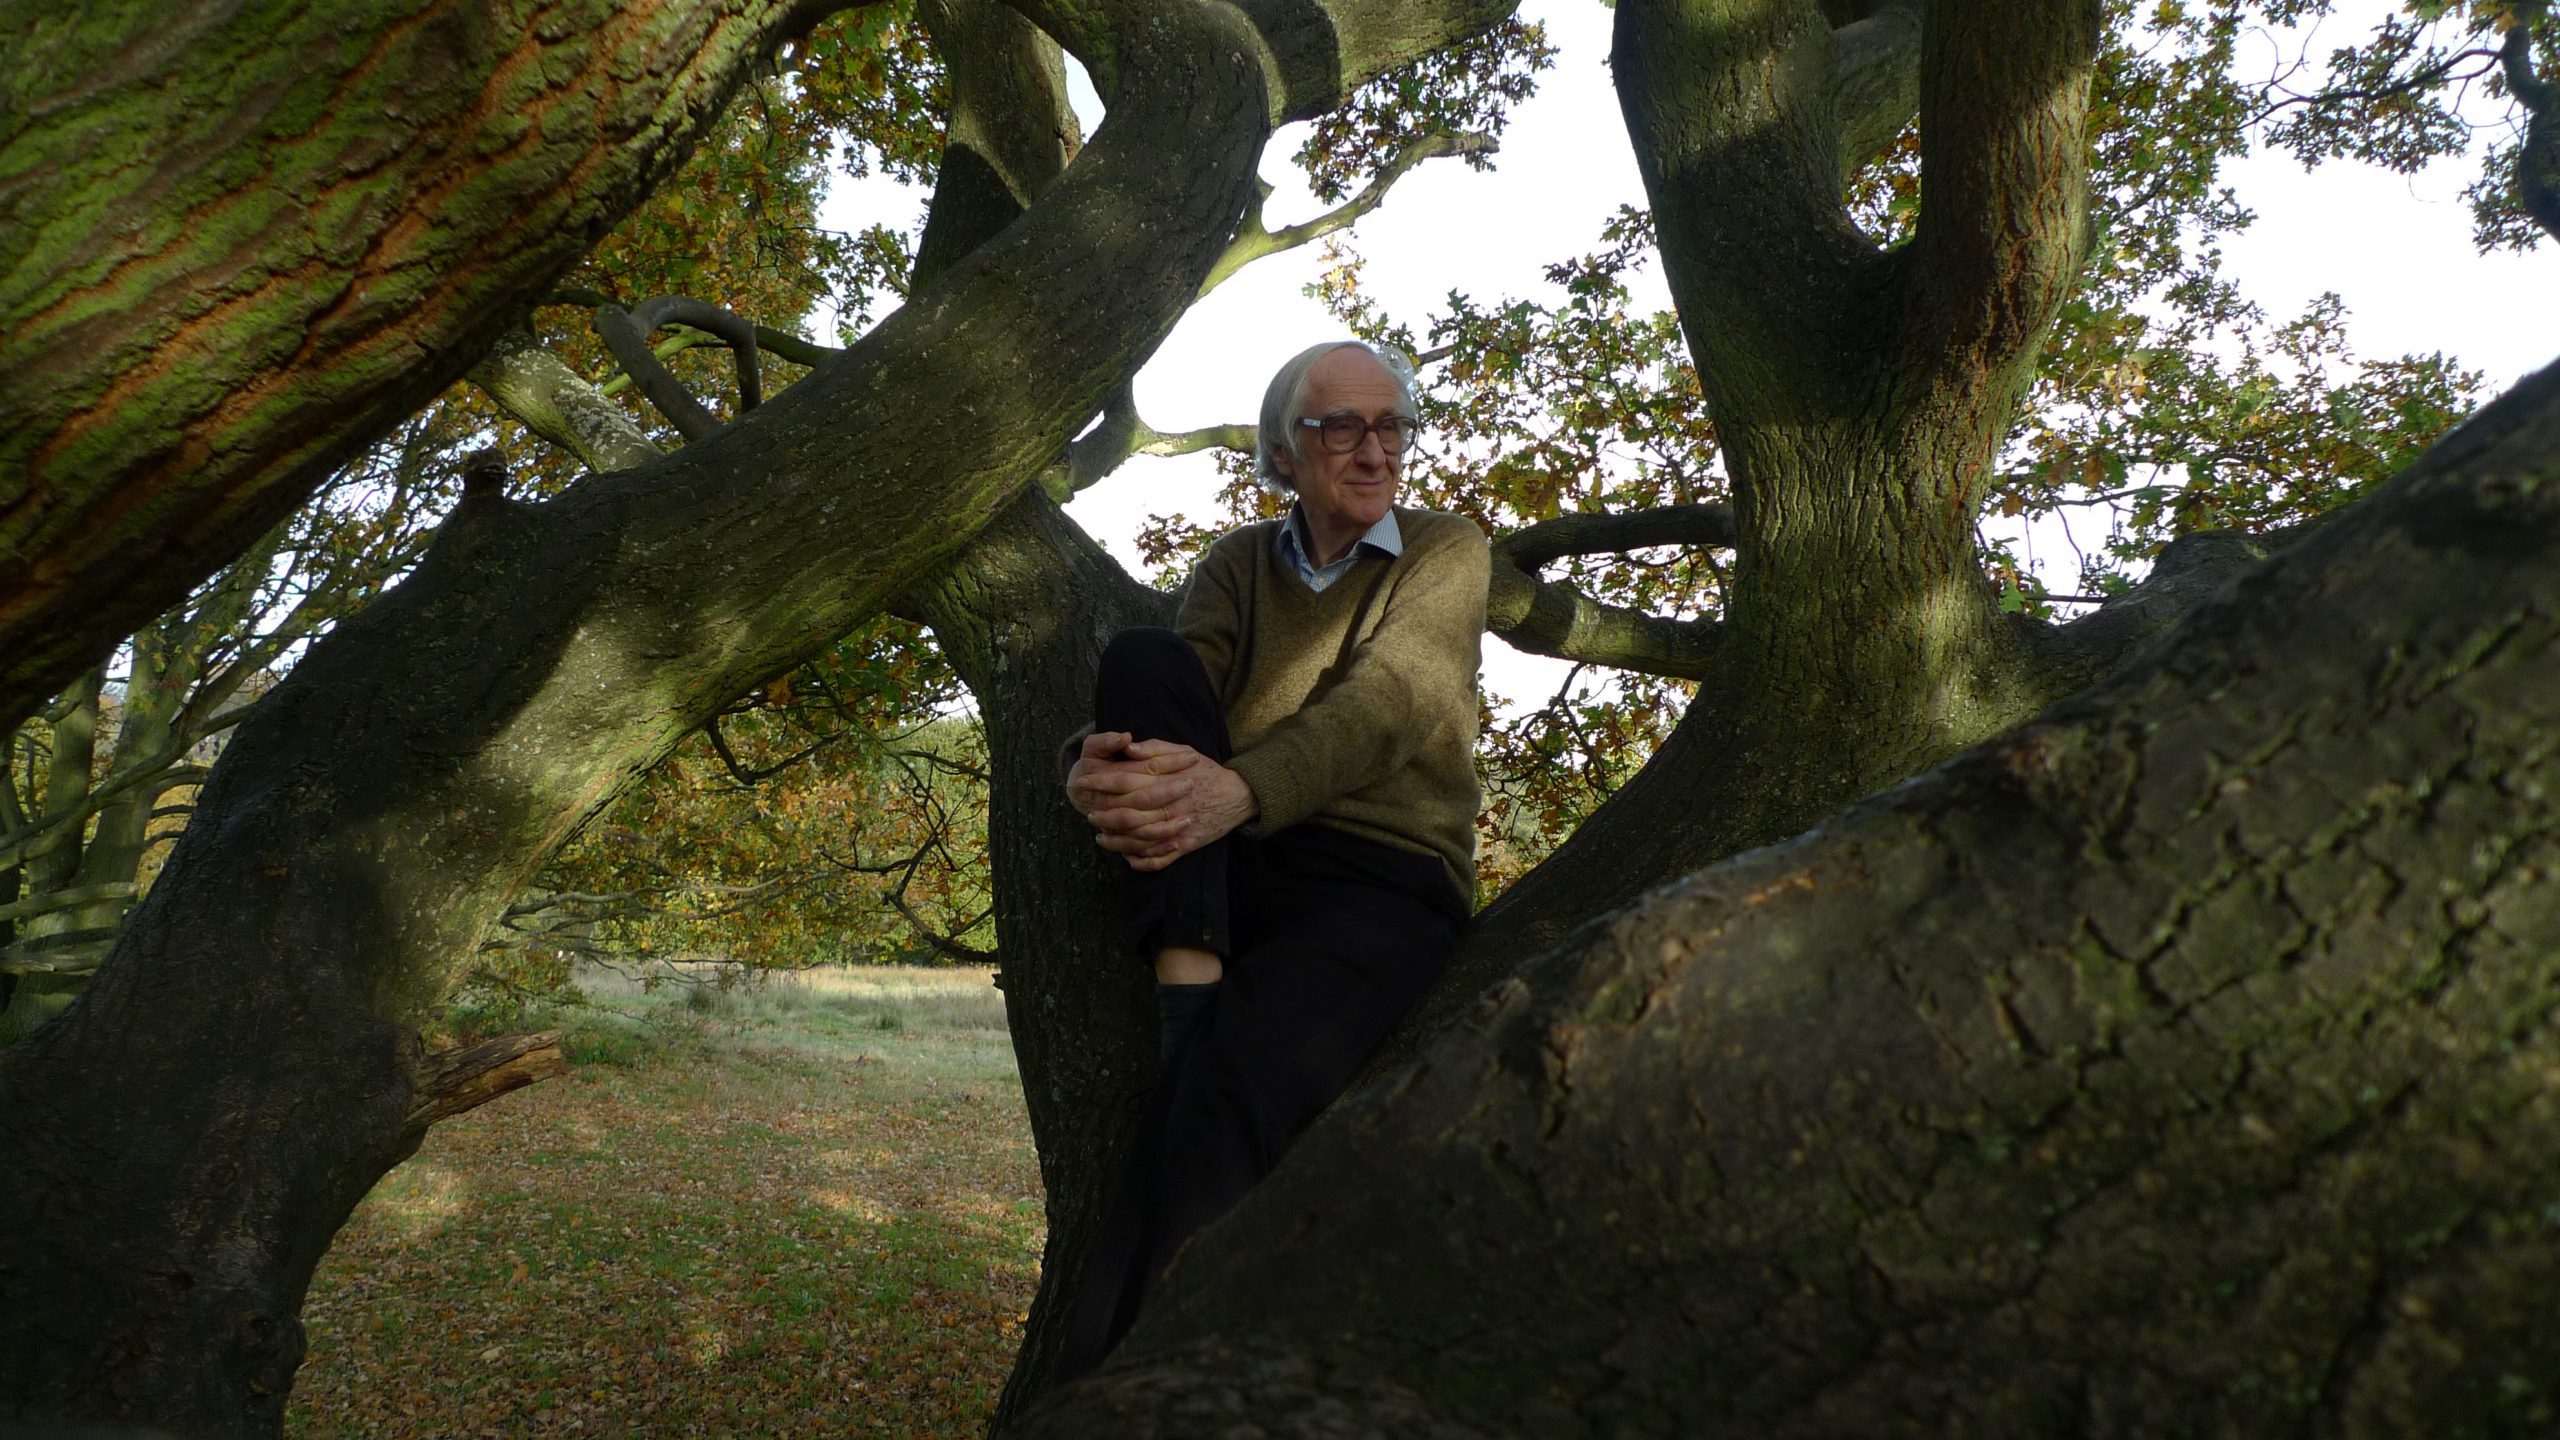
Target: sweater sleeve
(1410, 684)
(1211, 612)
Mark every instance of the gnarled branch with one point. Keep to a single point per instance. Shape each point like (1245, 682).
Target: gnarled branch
(449, 1082)
(1549, 617)
(626, 334)
(1121, 433)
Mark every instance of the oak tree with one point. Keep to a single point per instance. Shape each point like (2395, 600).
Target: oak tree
(2222, 971)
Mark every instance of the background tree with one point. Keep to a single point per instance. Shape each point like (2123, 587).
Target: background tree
(108, 772)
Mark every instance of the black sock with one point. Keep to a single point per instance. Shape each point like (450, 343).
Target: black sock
(1180, 1009)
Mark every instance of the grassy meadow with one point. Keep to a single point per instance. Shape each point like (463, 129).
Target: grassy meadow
(802, 1205)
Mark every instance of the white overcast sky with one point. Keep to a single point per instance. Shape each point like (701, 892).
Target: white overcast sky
(2397, 249)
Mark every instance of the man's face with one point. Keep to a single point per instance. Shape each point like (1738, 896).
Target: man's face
(1344, 494)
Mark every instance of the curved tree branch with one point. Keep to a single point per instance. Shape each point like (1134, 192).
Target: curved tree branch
(2538, 159)
(1095, 454)
(749, 778)
(1238, 437)
(794, 348)
(1253, 242)
(1707, 526)
(1548, 617)
(1875, 68)
(626, 334)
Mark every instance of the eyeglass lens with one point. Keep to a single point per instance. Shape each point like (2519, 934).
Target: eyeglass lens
(1343, 433)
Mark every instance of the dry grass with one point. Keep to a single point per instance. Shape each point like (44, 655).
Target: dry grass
(802, 1207)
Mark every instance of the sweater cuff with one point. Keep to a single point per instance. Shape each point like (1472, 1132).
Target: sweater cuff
(1279, 802)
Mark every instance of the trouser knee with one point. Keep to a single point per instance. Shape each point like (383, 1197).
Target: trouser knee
(1143, 654)
(1151, 676)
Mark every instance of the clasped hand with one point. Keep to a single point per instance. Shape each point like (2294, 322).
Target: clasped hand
(1155, 801)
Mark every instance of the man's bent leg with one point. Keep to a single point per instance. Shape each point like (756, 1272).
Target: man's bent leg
(1345, 936)
(1152, 685)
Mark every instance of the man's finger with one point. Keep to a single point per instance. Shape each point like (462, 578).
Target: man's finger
(1163, 757)
(1160, 794)
(1147, 826)
(1104, 782)
(1168, 851)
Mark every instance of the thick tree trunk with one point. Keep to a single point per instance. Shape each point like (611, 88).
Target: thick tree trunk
(1861, 398)
(2177, 1064)
(1023, 617)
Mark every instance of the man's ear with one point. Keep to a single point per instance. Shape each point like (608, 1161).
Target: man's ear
(1285, 461)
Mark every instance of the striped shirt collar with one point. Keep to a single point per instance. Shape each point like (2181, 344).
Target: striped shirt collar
(1298, 548)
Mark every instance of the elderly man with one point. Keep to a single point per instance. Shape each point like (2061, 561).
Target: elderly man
(1290, 777)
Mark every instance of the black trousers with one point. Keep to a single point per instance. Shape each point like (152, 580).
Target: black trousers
(1329, 938)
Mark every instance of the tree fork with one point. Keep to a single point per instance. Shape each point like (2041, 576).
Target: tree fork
(1023, 617)
(1860, 642)
(1021, 614)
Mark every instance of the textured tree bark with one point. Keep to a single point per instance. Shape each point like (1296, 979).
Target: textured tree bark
(185, 1139)
(2180, 1063)
(254, 236)
(1860, 397)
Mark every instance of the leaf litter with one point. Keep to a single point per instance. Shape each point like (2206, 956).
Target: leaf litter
(793, 1220)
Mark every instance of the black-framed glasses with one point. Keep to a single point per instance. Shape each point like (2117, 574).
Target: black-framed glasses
(1342, 434)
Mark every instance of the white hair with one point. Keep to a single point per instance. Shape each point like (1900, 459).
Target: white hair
(1278, 426)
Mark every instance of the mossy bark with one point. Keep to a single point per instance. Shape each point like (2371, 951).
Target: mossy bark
(1022, 613)
(1023, 616)
(253, 237)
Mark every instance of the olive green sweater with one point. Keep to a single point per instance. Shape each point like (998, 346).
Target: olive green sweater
(1354, 706)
